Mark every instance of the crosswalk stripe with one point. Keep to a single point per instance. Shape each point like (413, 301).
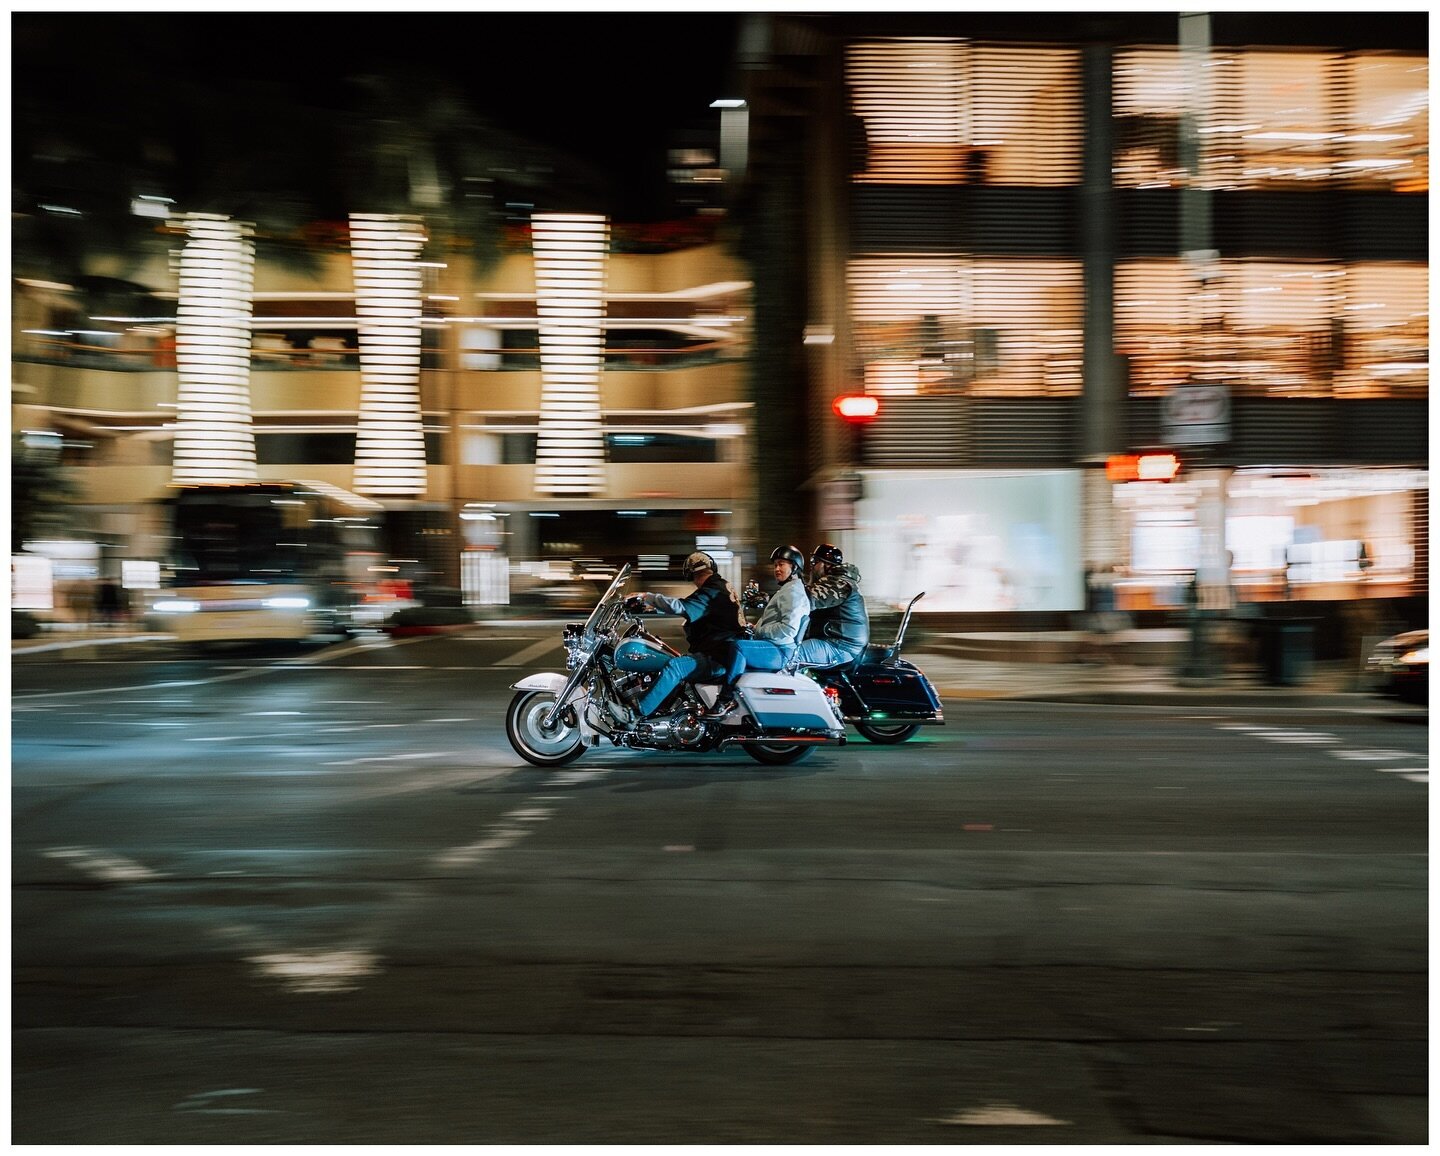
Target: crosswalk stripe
(529, 654)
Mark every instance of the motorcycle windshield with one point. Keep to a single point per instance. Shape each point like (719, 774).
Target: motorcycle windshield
(605, 599)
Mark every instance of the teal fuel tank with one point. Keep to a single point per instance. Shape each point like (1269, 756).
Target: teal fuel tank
(642, 654)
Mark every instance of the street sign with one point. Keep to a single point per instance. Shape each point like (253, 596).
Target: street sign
(1196, 415)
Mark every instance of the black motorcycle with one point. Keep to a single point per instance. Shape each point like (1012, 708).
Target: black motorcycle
(880, 694)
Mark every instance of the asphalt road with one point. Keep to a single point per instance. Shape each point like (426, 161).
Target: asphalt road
(265, 899)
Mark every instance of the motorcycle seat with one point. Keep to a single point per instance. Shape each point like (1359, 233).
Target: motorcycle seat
(872, 654)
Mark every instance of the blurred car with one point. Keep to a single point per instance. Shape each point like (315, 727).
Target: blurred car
(1400, 666)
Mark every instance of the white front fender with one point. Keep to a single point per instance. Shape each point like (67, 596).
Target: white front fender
(546, 681)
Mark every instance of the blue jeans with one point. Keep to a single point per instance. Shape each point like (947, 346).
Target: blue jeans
(758, 654)
(690, 668)
(822, 654)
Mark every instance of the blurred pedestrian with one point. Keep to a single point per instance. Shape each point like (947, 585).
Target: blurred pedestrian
(110, 605)
(1103, 619)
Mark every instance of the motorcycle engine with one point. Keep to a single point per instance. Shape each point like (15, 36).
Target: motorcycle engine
(631, 686)
(681, 729)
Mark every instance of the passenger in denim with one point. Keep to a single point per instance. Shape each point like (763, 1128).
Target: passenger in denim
(774, 638)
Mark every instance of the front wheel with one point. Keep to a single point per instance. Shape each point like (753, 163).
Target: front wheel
(887, 735)
(525, 728)
(777, 754)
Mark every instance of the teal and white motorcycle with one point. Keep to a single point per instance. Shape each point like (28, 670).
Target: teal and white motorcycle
(613, 660)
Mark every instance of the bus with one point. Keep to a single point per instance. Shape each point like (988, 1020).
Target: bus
(264, 561)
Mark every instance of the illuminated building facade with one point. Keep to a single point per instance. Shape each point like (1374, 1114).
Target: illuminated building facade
(465, 399)
(1041, 246)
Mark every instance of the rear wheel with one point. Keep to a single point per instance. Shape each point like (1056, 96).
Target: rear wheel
(544, 746)
(887, 735)
(777, 754)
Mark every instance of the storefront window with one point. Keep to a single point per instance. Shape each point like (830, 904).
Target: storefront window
(1291, 534)
(941, 111)
(985, 326)
(972, 540)
(1287, 329)
(1275, 119)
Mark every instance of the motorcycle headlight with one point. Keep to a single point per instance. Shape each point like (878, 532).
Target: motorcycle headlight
(175, 606)
(576, 652)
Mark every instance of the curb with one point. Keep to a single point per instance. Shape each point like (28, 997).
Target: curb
(22, 646)
(1254, 700)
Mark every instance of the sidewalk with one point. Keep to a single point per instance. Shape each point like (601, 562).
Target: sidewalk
(1125, 682)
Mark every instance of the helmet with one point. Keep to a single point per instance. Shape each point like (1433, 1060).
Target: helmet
(791, 555)
(827, 553)
(698, 561)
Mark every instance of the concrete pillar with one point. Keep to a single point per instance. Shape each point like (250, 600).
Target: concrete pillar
(1102, 421)
(1103, 414)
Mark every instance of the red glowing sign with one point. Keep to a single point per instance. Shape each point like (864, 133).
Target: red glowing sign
(857, 407)
(1142, 467)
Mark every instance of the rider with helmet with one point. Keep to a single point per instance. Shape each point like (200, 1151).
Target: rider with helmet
(839, 624)
(713, 624)
(779, 630)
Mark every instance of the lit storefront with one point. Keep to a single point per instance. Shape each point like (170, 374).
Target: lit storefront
(1010, 349)
(972, 540)
(1299, 534)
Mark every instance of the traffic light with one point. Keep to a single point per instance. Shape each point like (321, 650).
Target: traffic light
(856, 408)
(1142, 467)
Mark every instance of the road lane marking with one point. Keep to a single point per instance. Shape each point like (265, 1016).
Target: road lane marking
(1362, 755)
(198, 1103)
(1002, 1116)
(530, 653)
(1298, 740)
(394, 758)
(254, 672)
(318, 971)
(1372, 756)
(102, 865)
(575, 778)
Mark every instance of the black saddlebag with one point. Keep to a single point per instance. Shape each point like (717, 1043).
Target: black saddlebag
(896, 688)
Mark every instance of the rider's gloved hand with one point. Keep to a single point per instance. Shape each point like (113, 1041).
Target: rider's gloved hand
(635, 604)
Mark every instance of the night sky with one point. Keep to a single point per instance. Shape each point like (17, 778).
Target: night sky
(609, 89)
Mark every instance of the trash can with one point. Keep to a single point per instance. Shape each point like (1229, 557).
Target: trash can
(1287, 649)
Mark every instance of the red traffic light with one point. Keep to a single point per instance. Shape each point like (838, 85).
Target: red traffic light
(856, 407)
(1142, 467)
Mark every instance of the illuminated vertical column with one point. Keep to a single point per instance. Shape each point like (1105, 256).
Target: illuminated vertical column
(214, 436)
(390, 442)
(570, 252)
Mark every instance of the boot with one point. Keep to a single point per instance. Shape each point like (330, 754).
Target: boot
(724, 703)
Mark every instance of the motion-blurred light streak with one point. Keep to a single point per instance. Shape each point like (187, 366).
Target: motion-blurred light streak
(214, 432)
(570, 251)
(390, 441)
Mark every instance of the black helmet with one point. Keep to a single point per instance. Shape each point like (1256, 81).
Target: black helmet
(828, 553)
(699, 561)
(791, 555)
